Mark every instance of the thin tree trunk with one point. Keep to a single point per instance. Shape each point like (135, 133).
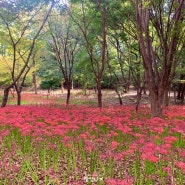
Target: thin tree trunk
(48, 94)
(166, 98)
(68, 95)
(95, 90)
(120, 99)
(119, 96)
(85, 89)
(182, 93)
(18, 91)
(62, 87)
(99, 93)
(139, 95)
(35, 83)
(5, 97)
(18, 98)
(12, 92)
(144, 91)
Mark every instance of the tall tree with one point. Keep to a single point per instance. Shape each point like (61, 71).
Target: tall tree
(19, 21)
(126, 64)
(65, 44)
(92, 21)
(160, 29)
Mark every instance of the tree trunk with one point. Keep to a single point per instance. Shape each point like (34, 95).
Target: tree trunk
(144, 91)
(156, 108)
(175, 98)
(150, 20)
(85, 89)
(156, 98)
(12, 92)
(180, 92)
(139, 95)
(18, 91)
(5, 97)
(68, 95)
(166, 98)
(18, 97)
(127, 86)
(16, 43)
(99, 93)
(120, 99)
(119, 96)
(62, 87)
(95, 90)
(35, 83)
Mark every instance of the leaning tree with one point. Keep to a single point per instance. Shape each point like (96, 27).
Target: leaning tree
(22, 24)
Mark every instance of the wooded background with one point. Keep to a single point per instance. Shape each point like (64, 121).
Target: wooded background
(51, 44)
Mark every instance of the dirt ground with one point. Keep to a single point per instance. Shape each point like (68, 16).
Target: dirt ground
(109, 97)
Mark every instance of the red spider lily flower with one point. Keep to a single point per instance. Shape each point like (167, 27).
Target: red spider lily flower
(149, 148)
(83, 136)
(133, 146)
(167, 170)
(162, 151)
(125, 129)
(26, 129)
(179, 126)
(149, 157)
(141, 141)
(137, 135)
(67, 145)
(159, 129)
(114, 145)
(113, 133)
(128, 181)
(103, 156)
(157, 121)
(182, 153)
(66, 139)
(169, 139)
(4, 133)
(89, 148)
(166, 146)
(119, 156)
(181, 165)
(59, 132)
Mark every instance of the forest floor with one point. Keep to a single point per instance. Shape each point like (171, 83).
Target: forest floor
(109, 97)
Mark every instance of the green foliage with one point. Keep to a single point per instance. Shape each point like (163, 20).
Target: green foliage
(18, 6)
(49, 74)
(83, 74)
(5, 77)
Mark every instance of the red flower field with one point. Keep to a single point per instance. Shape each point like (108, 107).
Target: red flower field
(76, 145)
